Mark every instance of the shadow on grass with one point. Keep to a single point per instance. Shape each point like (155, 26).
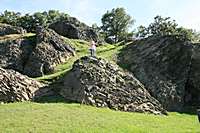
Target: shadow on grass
(191, 110)
(50, 93)
(54, 98)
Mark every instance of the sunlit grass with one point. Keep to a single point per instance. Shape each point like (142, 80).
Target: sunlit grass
(63, 117)
(15, 36)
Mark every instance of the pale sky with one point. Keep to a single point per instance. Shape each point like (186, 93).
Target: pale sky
(185, 12)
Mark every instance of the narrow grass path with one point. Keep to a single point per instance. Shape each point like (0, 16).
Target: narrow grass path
(106, 51)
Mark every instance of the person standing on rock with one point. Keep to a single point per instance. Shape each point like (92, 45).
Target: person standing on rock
(92, 48)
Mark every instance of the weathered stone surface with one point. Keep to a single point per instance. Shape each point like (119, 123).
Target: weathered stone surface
(6, 29)
(66, 29)
(36, 56)
(96, 82)
(72, 28)
(192, 96)
(50, 51)
(14, 54)
(17, 87)
(162, 64)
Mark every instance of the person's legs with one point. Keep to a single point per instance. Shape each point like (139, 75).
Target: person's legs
(94, 53)
(90, 52)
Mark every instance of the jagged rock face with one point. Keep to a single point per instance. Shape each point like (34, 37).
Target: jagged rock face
(15, 53)
(50, 51)
(16, 87)
(193, 84)
(6, 29)
(162, 64)
(74, 29)
(96, 82)
(66, 29)
(35, 58)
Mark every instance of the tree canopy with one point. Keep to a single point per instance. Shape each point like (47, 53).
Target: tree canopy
(29, 22)
(165, 26)
(115, 24)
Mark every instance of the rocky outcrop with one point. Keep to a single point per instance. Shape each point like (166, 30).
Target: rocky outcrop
(96, 82)
(50, 51)
(35, 56)
(162, 64)
(73, 28)
(14, 54)
(6, 29)
(192, 96)
(17, 87)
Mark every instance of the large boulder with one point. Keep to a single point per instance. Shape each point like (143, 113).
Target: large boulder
(14, 54)
(192, 96)
(73, 28)
(51, 50)
(162, 64)
(96, 82)
(17, 87)
(35, 56)
(66, 29)
(6, 29)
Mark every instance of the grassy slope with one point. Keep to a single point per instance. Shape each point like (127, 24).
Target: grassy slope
(61, 117)
(64, 117)
(105, 51)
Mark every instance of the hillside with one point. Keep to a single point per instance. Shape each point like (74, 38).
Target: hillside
(107, 51)
(52, 113)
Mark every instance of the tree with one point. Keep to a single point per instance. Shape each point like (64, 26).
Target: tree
(10, 17)
(166, 26)
(196, 36)
(52, 16)
(160, 26)
(115, 24)
(27, 22)
(96, 28)
(40, 18)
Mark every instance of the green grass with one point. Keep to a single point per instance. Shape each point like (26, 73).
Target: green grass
(75, 118)
(12, 37)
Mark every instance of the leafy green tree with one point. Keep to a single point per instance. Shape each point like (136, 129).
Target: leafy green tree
(196, 36)
(115, 24)
(52, 16)
(160, 26)
(96, 28)
(27, 22)
(166, 26)
(40, 18)
(10, 17)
